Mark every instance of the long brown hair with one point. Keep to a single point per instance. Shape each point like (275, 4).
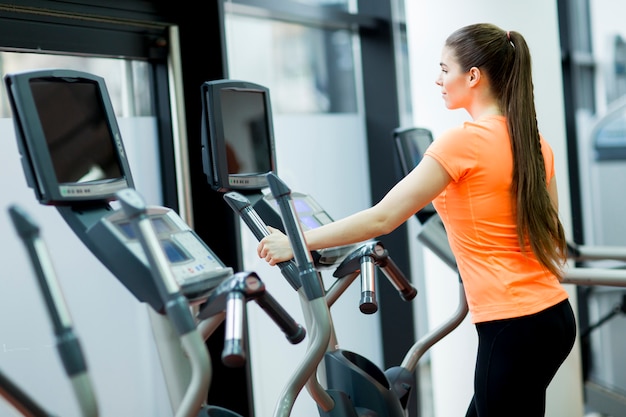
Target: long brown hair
(505, 58)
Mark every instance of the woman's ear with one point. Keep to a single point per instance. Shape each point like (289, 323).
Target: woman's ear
(474, 76)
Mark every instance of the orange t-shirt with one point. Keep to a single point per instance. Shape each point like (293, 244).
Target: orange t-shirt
(477, 210)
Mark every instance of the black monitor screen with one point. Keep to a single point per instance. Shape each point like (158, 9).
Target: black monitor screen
(237, 135)
(245, 132)
(67, 135)
(80, 146)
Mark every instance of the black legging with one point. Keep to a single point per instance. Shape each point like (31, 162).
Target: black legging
(517, 359)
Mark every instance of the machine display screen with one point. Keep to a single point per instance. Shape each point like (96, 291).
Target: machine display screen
(81, 146)
(237, 135)
(159, 224)
(173, 252)
(309, 221)
(68, 137)
(245, 132)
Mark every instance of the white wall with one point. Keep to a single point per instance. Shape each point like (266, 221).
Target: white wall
(428, 25)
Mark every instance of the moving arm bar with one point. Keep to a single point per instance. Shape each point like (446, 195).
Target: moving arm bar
(308, 366)
(294, 332)
(595, 253)
(397, 278)
(427, 341)
(241, 205)
(68, 345)
(314, 291)
(595, 276)
(339, 287)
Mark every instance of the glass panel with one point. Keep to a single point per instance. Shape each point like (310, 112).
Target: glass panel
(308, 70)
(126, 80)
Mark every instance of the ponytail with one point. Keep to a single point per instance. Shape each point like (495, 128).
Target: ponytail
(537, 217)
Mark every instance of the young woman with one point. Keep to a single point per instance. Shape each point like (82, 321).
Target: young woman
(492, 182)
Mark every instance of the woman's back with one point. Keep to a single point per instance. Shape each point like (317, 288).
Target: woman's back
(477, 208)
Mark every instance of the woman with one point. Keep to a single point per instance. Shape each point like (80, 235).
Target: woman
(492, 182)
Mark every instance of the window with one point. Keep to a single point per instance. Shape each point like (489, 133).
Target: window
(127, 80)
(307, 69)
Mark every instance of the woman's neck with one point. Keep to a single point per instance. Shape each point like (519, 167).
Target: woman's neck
(478, 112)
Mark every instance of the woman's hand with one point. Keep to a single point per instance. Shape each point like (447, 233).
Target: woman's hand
(275, 247)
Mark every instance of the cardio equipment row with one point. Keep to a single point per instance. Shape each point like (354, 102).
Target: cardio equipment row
(164, 264)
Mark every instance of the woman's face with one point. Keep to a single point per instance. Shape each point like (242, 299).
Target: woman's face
(453, 81)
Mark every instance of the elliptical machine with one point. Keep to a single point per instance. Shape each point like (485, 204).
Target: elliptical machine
(357, 381)
(348, 374)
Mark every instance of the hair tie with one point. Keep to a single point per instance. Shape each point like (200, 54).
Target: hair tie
(508, 35)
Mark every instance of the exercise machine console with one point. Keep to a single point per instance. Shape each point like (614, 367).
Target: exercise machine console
(74, 159)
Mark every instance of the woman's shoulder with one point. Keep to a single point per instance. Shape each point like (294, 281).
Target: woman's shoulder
(476, 127)
(455, 133)
(460, 135)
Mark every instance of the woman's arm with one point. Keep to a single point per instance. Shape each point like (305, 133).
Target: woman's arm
(427, 180)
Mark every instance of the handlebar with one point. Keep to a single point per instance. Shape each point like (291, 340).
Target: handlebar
(68, 344)
(231, 296)
(251, 218)
(365, 258)
(317, 306)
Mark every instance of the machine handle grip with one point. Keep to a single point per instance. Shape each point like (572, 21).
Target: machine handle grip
(241, 205)
(396, 277)
(293, 331)
(289, 269)
(309, 276)
(368, 304)
(233, 354)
